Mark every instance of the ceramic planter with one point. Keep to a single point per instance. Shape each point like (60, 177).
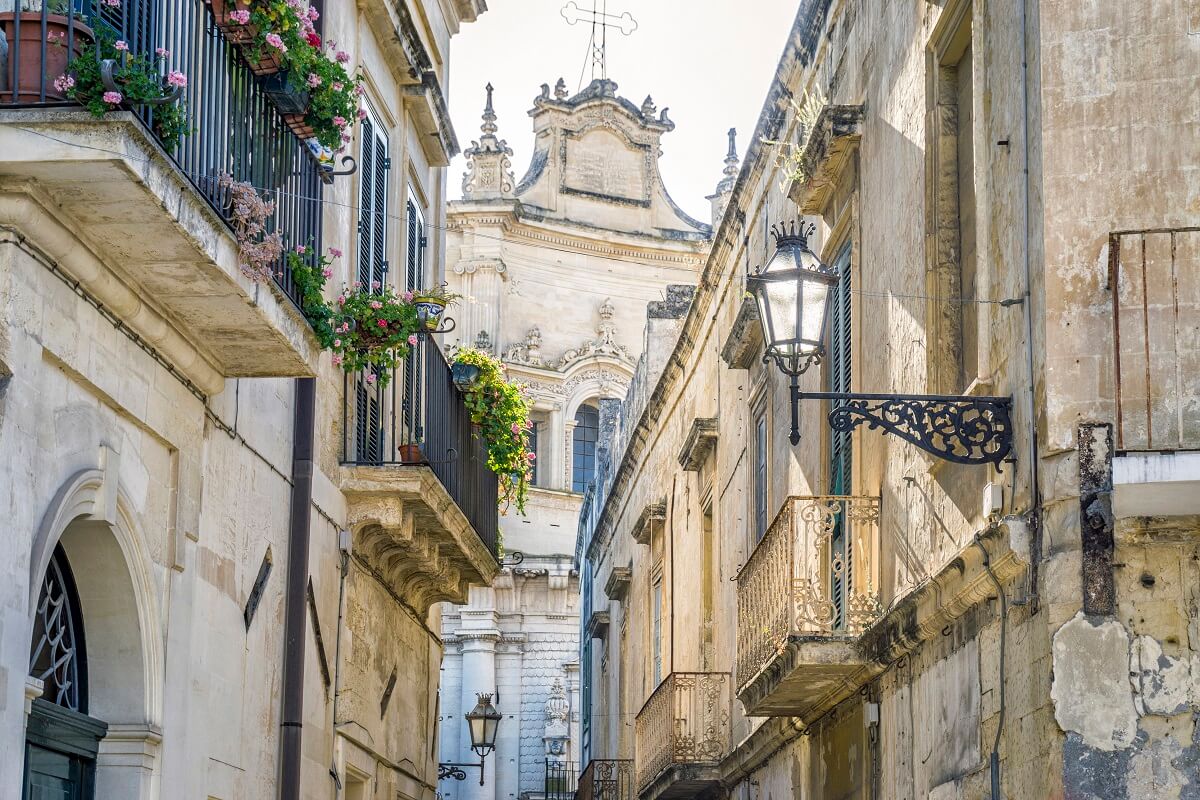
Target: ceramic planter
(33, 60)
(429, 311)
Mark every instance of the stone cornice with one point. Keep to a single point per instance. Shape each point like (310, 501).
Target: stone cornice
(700, 441)
(510, 218)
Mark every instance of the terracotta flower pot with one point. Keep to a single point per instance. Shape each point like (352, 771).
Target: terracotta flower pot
(410, 454)
(28, 71)
(267, 61)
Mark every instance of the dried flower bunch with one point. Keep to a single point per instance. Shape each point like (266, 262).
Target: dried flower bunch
(259, 249)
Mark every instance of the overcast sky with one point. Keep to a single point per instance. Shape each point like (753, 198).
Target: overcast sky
(709, 61)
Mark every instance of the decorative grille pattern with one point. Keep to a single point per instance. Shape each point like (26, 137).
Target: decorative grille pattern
(796, 582)
(685, 721)
(606, 779)
(57, 649)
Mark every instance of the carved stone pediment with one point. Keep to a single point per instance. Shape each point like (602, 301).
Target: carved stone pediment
(652, 514)
(701, 439)
(832, 140)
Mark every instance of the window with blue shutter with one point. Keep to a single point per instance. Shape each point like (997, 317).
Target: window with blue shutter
(414, 279)
(374, 190)
(839, 371)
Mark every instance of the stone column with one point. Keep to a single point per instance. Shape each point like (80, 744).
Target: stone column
(478, 676)
(509, 684)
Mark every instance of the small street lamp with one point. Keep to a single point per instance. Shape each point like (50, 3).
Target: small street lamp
(482, 722)
(793, 292)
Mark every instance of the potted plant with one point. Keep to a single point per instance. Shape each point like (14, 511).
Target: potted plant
(108, 77)
(34, 69)
(431, 303)
(233, 19)
(410, 454)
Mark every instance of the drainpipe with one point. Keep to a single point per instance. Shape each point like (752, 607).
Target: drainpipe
(292, 716)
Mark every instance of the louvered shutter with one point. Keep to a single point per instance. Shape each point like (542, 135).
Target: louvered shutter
(373, 203)
(840, 445)
(413, 280)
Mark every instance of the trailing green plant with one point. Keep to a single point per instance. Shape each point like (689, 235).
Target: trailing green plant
(285, 30)
(789, 158)
(501, 410)
(139, 80)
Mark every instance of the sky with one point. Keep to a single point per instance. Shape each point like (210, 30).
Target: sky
(709, 61)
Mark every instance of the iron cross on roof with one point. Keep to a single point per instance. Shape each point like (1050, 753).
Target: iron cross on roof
(599, 18)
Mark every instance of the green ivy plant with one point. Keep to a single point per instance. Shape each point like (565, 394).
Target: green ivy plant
(501, 410)
(139, 80)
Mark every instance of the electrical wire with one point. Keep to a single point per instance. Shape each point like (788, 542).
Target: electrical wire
(399, 219)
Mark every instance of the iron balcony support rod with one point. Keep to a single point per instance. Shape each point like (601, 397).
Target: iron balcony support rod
(455, 771)
(962, 429)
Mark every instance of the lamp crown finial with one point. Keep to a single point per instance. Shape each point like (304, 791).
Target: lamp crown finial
(792, 232)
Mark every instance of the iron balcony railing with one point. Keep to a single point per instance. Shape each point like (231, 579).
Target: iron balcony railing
(1156, 338)
(812, 574)
(419, 419)
(561, 779)
(606, 779)
(234, 129)
(685, 722)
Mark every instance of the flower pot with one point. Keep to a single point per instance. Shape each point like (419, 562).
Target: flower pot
(464, 376)
(429, 311)
(298, 126)
(267, 60)
(34, 68)
(410, 454)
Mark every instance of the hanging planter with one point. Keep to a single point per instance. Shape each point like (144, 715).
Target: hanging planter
(38, 66)
(292, 100)
(431, 305)
(232, 18)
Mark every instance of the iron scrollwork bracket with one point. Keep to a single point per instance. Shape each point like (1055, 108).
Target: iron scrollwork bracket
(965, 430)
(454, 771)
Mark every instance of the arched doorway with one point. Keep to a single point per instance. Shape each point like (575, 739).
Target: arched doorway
(61, 739)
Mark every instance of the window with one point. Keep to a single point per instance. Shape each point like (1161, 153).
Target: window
(374, 168)
(414, 278)
(583, 450)
(61, 740)
(760, 475)
(656, 600)
(839, 372)
(533, 448)
(953, 322)
(708, 655)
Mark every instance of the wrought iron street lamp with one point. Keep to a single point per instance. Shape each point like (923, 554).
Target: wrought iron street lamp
(482, 722)
(793, 293)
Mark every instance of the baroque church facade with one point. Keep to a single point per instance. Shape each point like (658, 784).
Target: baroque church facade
(558, 272)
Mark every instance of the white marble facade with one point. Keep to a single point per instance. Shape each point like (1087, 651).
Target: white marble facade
(558, 272)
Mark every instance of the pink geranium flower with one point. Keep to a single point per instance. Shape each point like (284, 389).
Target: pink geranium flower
(162, 52)
(276, 42)
(333, 251)
(241, 17)
(314, 80)
(412, 339)
(177, 78)
(408, 296)
(339, 121)
(121, 44)
(337, 360)
(64, 83)
(327, 273)
(112, 98)
(301, 249)
(342, 57)
(383, 323)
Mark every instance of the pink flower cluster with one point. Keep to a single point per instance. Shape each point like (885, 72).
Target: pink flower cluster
(275, 41)
(241, 16)
(112, 98)
(64, 83)
(121, 44)
(177, 79)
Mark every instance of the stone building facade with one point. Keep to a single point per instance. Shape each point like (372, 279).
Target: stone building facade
(557, 271)
(211, 588)
(1009, 196)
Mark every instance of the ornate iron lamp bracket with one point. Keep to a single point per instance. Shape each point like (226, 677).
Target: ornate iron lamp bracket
(965, 430)
(455, 771)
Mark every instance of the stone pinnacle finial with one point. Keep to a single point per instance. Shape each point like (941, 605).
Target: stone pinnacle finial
(731, 158)
(560, 90)
(489, 114)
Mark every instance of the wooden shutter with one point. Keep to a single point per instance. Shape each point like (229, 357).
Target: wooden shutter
(841, 442)
(373, 168)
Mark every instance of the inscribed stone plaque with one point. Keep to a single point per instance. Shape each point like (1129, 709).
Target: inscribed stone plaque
(601, 163)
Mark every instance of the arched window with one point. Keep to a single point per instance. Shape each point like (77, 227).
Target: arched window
(61, 741)
(583, 451)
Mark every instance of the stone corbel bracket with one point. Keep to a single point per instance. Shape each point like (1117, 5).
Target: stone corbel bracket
(617, 585)
(409, 531)
(831, 142)
(700, 441)
(651, 514)
(744, 342)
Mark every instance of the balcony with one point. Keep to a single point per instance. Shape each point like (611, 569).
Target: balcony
(138, 224)
(421, 499)
(681, 734)
(808, 590)
(606, 779)
(1156, 367)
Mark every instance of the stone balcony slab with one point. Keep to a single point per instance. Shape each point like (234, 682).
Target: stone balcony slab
(106, 206)
(410, 532)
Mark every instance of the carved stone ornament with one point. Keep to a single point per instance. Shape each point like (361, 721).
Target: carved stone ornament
(605, 343)
(529, 352)
(489, 166)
